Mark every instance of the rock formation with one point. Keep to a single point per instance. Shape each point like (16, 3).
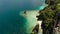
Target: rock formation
(50, 16)
(36, 29)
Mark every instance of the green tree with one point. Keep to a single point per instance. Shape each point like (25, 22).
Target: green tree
(47, 16)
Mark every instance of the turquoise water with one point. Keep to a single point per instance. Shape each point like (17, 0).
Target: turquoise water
(10, 20)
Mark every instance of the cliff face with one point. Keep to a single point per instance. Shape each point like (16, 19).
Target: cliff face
(50, 16)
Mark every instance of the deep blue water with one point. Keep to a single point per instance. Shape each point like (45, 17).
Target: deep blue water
(10, 20)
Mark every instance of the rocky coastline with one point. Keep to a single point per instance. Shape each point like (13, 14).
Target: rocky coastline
(50, 16)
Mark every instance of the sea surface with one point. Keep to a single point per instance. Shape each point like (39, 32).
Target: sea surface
(11, 22)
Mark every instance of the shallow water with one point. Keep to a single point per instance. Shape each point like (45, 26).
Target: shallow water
(10, 20)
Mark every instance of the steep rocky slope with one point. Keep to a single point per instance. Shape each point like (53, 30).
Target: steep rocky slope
(50, 16)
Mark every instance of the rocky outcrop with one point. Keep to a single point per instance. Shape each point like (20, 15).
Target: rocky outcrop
(36, 29)
(50, 16)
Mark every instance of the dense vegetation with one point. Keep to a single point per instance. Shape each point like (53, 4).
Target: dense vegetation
(48, 14)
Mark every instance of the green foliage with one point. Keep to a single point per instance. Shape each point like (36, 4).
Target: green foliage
(47, 16)
(58, 7)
